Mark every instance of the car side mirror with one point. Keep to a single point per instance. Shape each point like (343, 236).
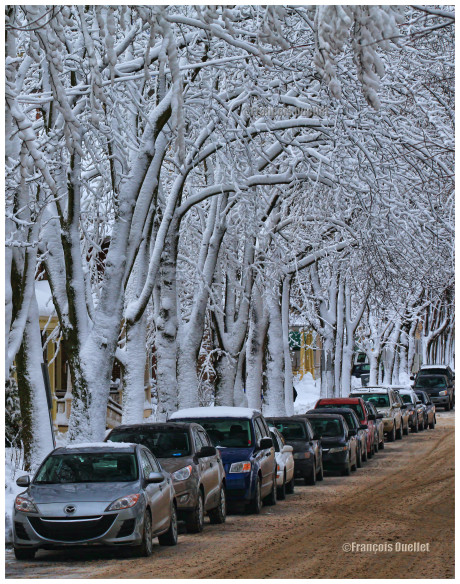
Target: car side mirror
(418, 402)
(363, 426)
(155, 478)
(23, 481)
(206, 451)
(404, 407)
(352, 432)
(371, 417)
(265, 443)
(412, 378)
(287, 448)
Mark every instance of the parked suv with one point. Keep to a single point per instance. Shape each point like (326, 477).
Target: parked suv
(299, 434)
(356, 403)
(386, 403)
(439, 388)
(243, 439)
(185, 451)
(438, 369)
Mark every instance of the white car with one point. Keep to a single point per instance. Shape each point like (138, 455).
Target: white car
(284, 464)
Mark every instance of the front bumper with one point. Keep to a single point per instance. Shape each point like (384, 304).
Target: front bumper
(186, 494)
(336, 460)
(439, 400)
(239, 486)
(33, 530)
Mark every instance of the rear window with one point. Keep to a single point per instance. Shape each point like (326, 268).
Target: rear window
(227, 432)
(327, 428)
(379, 400)
(291, 430)
(164, 443)
(355, 407)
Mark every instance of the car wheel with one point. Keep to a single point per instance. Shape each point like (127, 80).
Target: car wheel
(364, 454)
(432, 424)
(320, 473)
(271, 498)
(376, 446)
(370, 454)
(311, 479)
(347, 470)
(392, 434)
(406, 429)
(281, 491)
(447, 407)
(219, 513)
(170, 537)
(290, 487)
(146, 547)
(194, 519)
(354, 467)
(399, 432)
(359, 459)
(24, 553)
(255, 505)
(415, 428)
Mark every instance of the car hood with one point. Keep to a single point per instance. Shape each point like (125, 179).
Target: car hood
(74, 492)
(333, 441)
(173, 464)
(230, 455)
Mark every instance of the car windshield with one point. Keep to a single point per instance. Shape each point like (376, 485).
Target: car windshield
(379, 400)
(291, 430)
(227, 432)
(88, 467)
(163, 442)
(355, 407)
(431, 370)
(327, 427)
(431, 381)
(406, 397)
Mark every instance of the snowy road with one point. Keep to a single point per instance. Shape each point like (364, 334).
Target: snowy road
(404, 495)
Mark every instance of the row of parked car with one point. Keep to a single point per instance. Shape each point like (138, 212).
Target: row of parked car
(145, 478)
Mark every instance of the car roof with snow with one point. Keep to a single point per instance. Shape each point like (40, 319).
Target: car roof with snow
(372, 389)
(436, 366)
(214, 412)
(96, 447)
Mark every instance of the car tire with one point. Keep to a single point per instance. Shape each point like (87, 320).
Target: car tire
(346, 472)
(270, 499)
(255, 505)
(370, 454)
(406, 429)
(364, 454)
(431, 426)
(281, 491)
(320, 473)
(194, 520)
(359, 458)
(392, 434)
(376, 446)
(145, 549)
(170, 537)
(311, 479)
(354, 467)
(219, 513)
(24, 553)
(415, 428)
(290, 487)
(399, 432)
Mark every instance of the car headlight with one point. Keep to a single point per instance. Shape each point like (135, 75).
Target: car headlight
(25, 504)
(301, 455)
(124, 502)
(338, 449)
(444, 392)
(243, 466)
(183, 473)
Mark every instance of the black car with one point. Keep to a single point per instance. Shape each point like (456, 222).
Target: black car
(439, 389)
(436, 370)
(298, 433)
(340, 444)
(353, 423)
(430, 410)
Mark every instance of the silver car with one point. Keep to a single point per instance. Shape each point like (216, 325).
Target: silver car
(95, 494)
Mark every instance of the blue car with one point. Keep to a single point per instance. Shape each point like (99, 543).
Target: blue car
(243, 439)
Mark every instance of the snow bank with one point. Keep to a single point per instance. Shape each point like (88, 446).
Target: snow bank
(308, 390)
(214, 412)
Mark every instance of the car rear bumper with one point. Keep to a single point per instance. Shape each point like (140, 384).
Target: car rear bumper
(303, 467)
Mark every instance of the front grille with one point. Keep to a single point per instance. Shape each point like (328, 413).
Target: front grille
(65, 529)
(20, 530)
(127, 528)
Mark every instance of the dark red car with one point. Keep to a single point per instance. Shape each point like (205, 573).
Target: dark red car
(356, 404)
